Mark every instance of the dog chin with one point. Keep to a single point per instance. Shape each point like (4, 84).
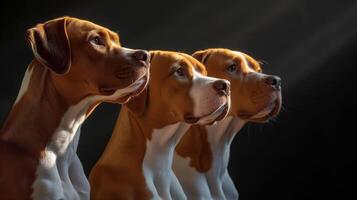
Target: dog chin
(267, 113)
(126, 94)
(217, 115)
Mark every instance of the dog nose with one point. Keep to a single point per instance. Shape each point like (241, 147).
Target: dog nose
(222, 87)
(142, 55)
(274, 81)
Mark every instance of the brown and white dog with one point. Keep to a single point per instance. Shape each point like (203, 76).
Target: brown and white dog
(202, 156)
(77, 65)
(137, 162)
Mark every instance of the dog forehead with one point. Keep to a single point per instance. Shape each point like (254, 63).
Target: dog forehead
(75, 25)
(248, 61)
(223, 57)
(164, 60)
(218, 59)
(167, 59)
(194, 64)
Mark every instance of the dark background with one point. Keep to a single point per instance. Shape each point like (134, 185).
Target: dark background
(309, 44)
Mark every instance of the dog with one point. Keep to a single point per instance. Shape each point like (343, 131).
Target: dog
(77, 65)
(137, 162)
(201, 157)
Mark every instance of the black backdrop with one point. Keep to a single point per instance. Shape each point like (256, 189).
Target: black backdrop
(309, 44)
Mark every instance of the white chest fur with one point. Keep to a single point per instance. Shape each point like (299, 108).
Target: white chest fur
(216, 183)
(25, 84)
(220, 137)
(59, 160)
(157, 165)
(60, 174)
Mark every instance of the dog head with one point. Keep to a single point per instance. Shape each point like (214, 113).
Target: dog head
(89, 58)
(255, 96)
(179, 90)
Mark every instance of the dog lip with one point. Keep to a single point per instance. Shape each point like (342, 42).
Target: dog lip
(126, 74)
(141, 63)
(244, 115)
(222, 110)
(191, 119)
(272, 113)
(225, 93)
(107, 91)
(138, 85)
(144, 81)
(144, 63)
(223, 114)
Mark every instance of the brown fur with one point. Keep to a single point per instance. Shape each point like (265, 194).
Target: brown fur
(200, 153)
(119, 174)
(249, 96)
(66, 69)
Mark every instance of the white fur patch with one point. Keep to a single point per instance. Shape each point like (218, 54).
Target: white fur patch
(49, 159)
(204, 96)
(157, 165)
(220, 137)
(193, 182)
(25, 83)
(217, 180)
(54, 180)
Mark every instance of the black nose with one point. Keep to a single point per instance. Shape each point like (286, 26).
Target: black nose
(142, 55)
(222, 87)
(274, 81)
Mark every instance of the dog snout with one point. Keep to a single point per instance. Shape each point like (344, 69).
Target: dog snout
(142, 55)
(273, 81)
(222, 87)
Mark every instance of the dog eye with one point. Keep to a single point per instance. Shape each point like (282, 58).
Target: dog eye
(232, 68)
(179, 72)
(97, 41)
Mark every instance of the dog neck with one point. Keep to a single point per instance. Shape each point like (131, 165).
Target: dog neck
(148, 144)
(36, 113)
(157, 163)
(206, 146)
(220, 137)
(42, 115)
(206, 149)
(223, 132)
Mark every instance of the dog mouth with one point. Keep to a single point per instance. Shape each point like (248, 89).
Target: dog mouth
(145, 64)
(271, 110)
(125, 94)
(136, 88)
(210, 118)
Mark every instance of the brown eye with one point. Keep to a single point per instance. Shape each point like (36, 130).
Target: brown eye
(179, 72)
(232, 68)
(97, 41)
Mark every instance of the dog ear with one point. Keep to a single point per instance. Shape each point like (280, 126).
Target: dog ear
(201, 55)
(50, 45)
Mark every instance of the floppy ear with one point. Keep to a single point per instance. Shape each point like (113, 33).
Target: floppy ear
(201, 55)
(50, 45)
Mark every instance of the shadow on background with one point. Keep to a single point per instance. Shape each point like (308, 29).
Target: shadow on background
(309, 44)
